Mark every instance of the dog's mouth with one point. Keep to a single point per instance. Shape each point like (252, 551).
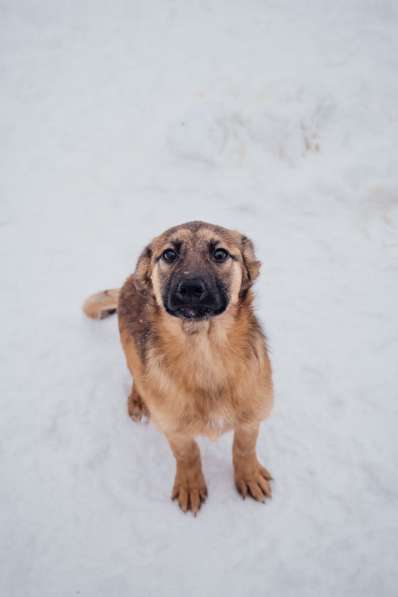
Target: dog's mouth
(194, 313)
(195, 299)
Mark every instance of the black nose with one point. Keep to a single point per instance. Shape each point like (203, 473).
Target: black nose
(191, 290)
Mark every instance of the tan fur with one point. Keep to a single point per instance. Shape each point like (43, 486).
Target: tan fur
(196, 377)
(101, 304)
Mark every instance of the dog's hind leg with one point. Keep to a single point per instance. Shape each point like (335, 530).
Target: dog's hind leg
(137, 408)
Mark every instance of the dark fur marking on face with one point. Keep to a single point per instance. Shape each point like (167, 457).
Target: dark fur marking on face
(177, 244)
(205, 295)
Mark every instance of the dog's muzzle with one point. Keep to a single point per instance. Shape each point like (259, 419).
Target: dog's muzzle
(195, 298)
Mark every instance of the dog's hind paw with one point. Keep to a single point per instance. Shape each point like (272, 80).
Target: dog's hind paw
(137, 408)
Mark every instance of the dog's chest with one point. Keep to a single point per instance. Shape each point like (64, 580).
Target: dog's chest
(209, 401)
(215, 425)
(199, 389)
(206, 365)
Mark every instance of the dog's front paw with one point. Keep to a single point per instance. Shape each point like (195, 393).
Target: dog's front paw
(254, 481)
(190, 495)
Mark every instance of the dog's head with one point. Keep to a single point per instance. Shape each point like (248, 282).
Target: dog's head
(197, 270)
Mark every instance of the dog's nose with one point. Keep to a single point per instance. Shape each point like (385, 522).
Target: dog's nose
(191, 289)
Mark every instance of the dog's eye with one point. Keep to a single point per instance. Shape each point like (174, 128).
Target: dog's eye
(220, 255)
(169, 255)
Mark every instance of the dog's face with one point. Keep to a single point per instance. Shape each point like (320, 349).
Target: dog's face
(197, 270)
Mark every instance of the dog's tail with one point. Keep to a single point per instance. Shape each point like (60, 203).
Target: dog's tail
(102, 304)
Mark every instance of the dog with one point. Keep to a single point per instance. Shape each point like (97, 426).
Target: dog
(195, 350)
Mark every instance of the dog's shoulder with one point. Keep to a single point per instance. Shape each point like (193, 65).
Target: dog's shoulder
(135, 313)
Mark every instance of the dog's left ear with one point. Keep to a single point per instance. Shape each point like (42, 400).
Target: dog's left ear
(251, 266)
(142, 272)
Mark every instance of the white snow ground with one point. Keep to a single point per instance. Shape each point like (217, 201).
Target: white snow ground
(118, 120)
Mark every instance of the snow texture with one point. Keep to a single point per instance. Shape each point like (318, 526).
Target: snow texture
(119, 119)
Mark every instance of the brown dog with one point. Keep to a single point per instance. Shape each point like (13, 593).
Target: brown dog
(196, 350)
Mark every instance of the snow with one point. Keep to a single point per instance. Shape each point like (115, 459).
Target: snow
(121, 119)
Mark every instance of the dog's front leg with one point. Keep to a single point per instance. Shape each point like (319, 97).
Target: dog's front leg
(250, 476)
(189, 486)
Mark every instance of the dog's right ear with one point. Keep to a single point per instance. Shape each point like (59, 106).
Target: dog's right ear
(143, 269)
